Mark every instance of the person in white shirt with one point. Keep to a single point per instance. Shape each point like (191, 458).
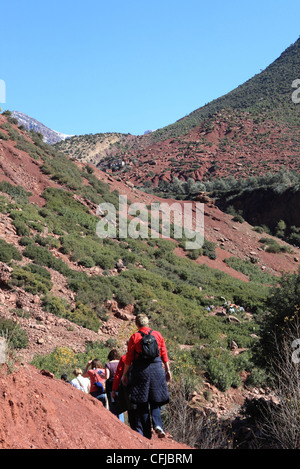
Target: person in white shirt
(79, 382)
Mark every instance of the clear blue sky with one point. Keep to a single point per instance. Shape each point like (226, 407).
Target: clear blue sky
(116, 66)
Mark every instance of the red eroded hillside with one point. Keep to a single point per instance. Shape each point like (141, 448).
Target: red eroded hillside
(17, 167)
(230, 143)
(39, 412)
(232, 239)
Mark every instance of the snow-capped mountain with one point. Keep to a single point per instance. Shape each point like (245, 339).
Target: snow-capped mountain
(49, 136)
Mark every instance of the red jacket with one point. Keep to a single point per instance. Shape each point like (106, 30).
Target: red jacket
(119, 373)
(134, 346)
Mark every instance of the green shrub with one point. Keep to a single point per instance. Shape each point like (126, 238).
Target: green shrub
(257, 378)
(92, 291)
(209, 249)
(5, 205)
(253, 271)
(123, 297)
(87, 262)
(47, 241)
(194, 253)
(37, 269)
(238, 218)
(8, 252)
(61, 361)
(21, 228)
(258, 229)
(25, 241)
(53, 304)
(271, 245)
(42, 256)
(105, 260)
(283, 304)
(64, 360)
(18, 193)
(3, 136)
(63, 170)
(222, 372)
(84, 316)
(13, 333)
(31, 279)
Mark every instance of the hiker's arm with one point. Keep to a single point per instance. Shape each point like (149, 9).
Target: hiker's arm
(117, 378)
(167, 371)
(163, 350)
(87, 367)
(125, 377)
(106, 373)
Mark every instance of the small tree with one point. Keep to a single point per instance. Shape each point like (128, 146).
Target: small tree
(281, 422)
(280, 229)
(282, 303)
(186, 424)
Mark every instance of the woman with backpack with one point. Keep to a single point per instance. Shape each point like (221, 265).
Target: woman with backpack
(150, 371)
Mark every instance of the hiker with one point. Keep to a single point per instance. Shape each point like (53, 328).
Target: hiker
(110, 370)
(149, 389)
(121, 395)
(79, 382)
(96, 375)
(65, 378)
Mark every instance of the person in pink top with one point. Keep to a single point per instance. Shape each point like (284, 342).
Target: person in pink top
(95, 372)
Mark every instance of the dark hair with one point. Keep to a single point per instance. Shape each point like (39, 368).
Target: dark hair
(96, 363)
(114, 355)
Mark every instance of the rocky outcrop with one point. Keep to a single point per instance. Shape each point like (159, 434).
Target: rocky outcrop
(266, 206)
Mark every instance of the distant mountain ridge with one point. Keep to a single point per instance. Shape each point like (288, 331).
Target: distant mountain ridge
(249, 131)
(49, 136)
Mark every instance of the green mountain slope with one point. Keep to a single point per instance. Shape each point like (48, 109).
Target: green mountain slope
(269, 93)
(264, 102)
(56, 236)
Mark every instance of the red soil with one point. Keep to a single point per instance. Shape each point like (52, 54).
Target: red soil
(39, 412)
(232, 145)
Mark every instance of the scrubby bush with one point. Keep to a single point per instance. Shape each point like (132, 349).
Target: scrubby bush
(258, 378)
(63, 170)
(283, 305)
(42, 256)
(209, 249)
(32, 279)
(13, 333)
(8, 252)
(84, 316)
(222, 372)
(253, 271)
(53, 304)
(18, 193)
(21, 228)
(87, 262)
(61, 361)
(271, 245)
(47, 241)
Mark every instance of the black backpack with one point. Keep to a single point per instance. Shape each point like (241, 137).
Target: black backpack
(149, 345)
